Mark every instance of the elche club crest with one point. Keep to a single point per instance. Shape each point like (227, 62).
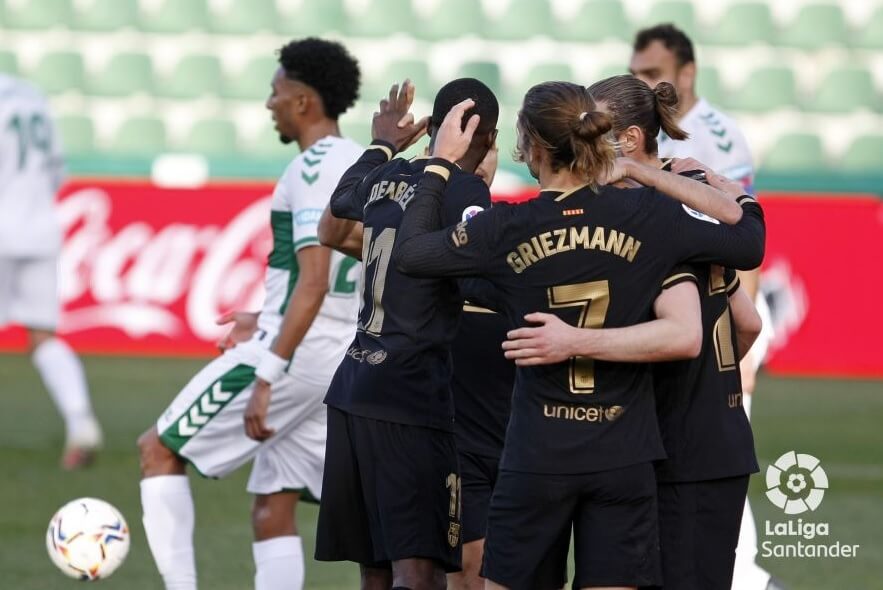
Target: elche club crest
(796, 483)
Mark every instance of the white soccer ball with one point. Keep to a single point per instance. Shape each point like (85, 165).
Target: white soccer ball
(87, 539)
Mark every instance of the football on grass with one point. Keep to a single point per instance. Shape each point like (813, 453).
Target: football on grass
(87, 539)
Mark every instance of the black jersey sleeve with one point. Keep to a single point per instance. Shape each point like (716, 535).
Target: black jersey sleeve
(681, 273)
(465, 196)
(481, 292)
(732, 281)
(349, 198)
(425, 249)
(703, 239)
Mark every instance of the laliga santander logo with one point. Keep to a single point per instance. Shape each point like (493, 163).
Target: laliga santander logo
(796, 483)
(163, 279)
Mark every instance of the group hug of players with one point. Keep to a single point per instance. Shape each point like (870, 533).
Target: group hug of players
(523, 378)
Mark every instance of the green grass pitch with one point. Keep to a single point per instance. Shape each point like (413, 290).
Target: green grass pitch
(835, 420)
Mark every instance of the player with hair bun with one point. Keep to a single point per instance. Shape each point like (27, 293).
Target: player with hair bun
(703, 480)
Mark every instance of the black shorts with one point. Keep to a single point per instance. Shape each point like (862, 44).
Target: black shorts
(390, 492)
(478, 475)
(613, 516)
(699, 530)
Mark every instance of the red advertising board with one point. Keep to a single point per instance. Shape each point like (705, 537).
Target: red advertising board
(147, 270)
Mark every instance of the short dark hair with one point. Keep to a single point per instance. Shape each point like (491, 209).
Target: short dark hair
(327, 67)
(456, 91)
(674, 39)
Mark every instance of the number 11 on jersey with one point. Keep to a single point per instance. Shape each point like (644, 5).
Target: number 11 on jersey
(376, 253)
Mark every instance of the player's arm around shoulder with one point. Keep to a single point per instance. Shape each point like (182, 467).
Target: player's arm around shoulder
(675, 334)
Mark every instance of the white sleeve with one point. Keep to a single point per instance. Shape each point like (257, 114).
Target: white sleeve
(308, 195)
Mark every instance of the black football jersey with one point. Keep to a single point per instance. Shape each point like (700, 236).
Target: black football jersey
(597, 259)
(482, 382)
(398, 367)
(704, 427)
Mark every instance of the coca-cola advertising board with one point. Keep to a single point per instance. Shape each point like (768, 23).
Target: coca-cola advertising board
(147, 270)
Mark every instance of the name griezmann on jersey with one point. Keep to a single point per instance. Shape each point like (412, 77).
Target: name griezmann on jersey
(565, 239)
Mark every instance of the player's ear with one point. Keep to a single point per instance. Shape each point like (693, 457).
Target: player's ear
(492, 139)
(631, 140)
(687, 75)
(303, 98)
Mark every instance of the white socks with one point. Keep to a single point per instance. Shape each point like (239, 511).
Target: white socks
(279, 563)
(168, 523)
(62, 373)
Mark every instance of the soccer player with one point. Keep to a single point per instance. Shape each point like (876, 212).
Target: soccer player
(482, 383)
(392, 485)
(665, 53)
(31, 171)
(275, 381)
(582, 434)
(703, 482)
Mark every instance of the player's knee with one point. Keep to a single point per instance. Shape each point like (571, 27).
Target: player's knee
(272, 516)
(155, 458)
(471, 574)
(37, 337)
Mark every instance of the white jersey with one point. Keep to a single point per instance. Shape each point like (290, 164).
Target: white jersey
(31, 171)
(299, 199)
(715, 140)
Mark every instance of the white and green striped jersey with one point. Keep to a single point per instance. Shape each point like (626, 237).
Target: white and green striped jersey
(299, 199)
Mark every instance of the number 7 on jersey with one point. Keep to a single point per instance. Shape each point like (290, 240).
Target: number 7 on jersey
(592, 298)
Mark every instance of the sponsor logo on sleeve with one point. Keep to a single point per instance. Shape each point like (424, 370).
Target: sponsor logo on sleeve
(307, 217)
(700, 216)
(470, 212)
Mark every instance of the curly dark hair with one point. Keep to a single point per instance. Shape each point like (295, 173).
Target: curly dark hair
(327, 67)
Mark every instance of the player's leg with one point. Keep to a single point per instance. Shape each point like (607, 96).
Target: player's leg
(528, 531)
(477, 476)
(719, 514)
(748, 575)
(36, 306)
(202, 426)
(375, 578)
(343, 532)
(277, 548)
(290, 467)
(469, 578)
(678, 535)
(168, 513)
(62, 374)
(616, 536)
(418, 574)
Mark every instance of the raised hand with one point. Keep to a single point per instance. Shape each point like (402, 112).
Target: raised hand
(244, 325)
(394, 123)
(452, 140)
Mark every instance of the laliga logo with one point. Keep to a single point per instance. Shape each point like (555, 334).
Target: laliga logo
(796, 483)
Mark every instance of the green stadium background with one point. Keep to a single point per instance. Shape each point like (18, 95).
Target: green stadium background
(132, 79)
